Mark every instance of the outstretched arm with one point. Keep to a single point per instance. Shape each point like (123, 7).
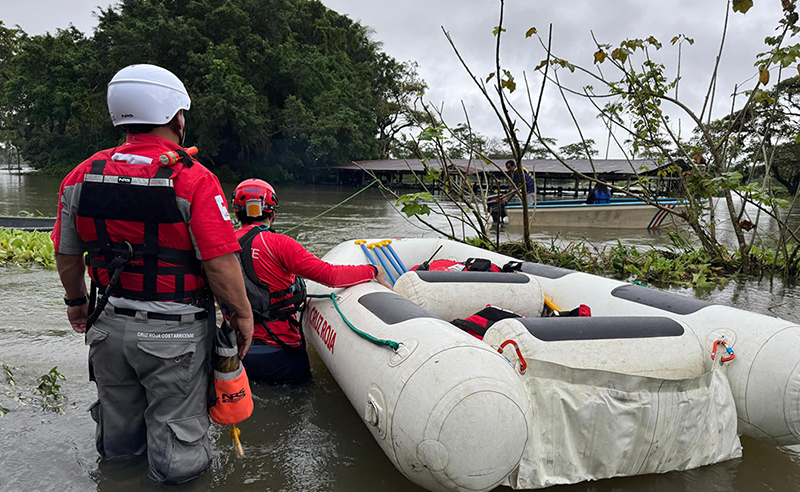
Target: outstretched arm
(300, 262)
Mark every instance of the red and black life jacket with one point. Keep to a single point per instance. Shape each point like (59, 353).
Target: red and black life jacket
(289, 301)
(143, 208)
(477, 324)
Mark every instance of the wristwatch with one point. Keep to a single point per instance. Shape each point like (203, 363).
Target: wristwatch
(78, 301)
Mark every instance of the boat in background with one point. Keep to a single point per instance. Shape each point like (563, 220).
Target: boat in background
(42, 224)
(621, 213)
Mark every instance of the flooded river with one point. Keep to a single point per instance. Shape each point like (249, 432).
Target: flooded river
(301, 438)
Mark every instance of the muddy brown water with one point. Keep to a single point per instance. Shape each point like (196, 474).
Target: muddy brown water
(300, 438)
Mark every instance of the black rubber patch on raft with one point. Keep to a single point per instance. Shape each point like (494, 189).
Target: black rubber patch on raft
(545, 271)
(469, 277)
(601, 328)
(674, 303)
(392, 308)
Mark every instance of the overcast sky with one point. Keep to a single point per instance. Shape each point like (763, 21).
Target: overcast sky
(411, 30)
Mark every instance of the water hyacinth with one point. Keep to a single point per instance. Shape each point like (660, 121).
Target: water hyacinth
(26, 248)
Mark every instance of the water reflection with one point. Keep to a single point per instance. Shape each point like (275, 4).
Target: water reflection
(304, 438)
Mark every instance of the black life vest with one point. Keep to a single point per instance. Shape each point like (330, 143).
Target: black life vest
(260, 295)
(477, 324)
(148, 203)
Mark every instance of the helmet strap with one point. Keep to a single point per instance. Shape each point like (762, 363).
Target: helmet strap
(175, 125)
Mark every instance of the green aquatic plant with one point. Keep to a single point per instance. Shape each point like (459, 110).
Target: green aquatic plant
(50, 391)
(677, 264)
(9, 374)
(26, 248)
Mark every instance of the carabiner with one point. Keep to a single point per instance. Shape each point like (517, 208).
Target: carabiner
(730, 355)
(523, 365)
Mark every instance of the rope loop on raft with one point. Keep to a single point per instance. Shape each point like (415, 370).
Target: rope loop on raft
(727, 358)
(366, 336)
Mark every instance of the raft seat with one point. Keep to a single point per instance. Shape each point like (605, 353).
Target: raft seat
(453, 295)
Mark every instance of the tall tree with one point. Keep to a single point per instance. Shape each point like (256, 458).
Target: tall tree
(10, 39)
(277, 86)
(578, 150)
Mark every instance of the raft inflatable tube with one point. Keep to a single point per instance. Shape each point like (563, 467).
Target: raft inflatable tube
(451, 413)
(450, 295)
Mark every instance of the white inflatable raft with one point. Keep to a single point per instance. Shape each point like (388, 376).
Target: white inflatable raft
(630, 390)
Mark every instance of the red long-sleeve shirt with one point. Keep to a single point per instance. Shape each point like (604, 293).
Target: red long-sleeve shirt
(277, 259)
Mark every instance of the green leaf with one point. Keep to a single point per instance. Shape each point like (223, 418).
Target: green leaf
(431, 133)
(544, 62)
(497, 30)
(530, 32)
(620, 54)
(433, 175)
(508, 82)
(491, 75)
(742, 6)
(700, 280)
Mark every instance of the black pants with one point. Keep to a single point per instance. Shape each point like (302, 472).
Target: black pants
(276, 365)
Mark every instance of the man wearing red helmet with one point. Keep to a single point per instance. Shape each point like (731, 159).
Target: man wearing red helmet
(273, 264)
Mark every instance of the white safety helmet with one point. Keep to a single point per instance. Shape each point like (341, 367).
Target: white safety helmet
(145, 95)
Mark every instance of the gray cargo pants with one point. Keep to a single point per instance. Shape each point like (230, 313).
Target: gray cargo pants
(152, 386)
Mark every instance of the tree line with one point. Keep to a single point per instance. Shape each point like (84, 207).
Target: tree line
(278, 87)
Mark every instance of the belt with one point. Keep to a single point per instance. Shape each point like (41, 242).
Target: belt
(163, 317)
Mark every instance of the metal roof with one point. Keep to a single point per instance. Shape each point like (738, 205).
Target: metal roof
(620, 167)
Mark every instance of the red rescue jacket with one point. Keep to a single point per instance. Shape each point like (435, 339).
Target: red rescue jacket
(278, 259)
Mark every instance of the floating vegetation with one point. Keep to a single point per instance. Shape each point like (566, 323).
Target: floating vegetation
(10, 381)
(9, 393)
(678, 264)
(26, 248)
(50, 391)
(46, 393)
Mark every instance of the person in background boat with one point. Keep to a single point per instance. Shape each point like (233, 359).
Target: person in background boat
(530, 183)
(599, 194)
(158, 236)
(273, 264)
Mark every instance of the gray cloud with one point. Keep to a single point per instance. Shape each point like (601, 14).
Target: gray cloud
(411, 30)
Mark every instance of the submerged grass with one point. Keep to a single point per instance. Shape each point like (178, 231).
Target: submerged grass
(26, 248)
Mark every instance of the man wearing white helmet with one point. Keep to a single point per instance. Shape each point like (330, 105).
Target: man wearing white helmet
(156, 232)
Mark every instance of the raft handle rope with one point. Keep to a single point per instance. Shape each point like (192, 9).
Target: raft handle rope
(287, 231)
(366, 336)
(522, 364)
(116, 265)
(722, 360)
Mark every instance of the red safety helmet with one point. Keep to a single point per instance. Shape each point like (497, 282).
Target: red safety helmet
(254, 196)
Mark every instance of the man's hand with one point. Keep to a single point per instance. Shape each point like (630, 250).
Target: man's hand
(244, 333)
(381, 278)
(77, 317)
(225, 279)
(71, 270)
